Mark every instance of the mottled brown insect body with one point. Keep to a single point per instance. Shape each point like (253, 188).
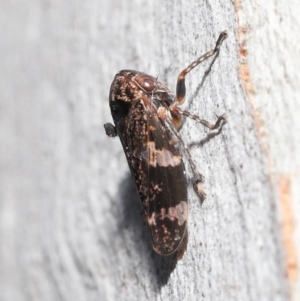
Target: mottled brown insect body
(146, 116)
(152, 154)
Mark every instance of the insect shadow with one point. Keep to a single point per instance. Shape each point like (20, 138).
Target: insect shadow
(132, 221)
(205, 75)
(206, 139)
(214, 133)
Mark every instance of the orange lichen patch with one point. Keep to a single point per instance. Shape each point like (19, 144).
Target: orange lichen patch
(237, 5)
(242, 34)
(284, 184)
(243, 61)
(244, 72)
(243, 52)
(288, 227)
(245, 77)
(260, 126)
(243, 31)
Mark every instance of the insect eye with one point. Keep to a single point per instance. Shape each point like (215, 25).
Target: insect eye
(146, 82)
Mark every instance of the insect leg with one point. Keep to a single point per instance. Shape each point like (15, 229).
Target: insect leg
(219, 123)
(180, 87)
(110, 130)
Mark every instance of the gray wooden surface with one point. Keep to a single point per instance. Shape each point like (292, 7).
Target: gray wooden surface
(70, 225)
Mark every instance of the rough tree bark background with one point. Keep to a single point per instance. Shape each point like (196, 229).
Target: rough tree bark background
(71, 227)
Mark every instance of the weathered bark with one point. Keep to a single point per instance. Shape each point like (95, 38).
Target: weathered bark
(71, 227)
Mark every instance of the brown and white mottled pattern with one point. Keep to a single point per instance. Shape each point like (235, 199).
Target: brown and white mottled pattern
(153, 155)
(161, 157)
(124, 90)
(178, 213)
(163, 113)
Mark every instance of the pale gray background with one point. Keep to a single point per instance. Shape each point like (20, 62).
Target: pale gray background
(70, 218)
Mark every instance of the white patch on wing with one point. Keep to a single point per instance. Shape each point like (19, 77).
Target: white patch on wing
(179, 212)
(161, 157)
(163, 114)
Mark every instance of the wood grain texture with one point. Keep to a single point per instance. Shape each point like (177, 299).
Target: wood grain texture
(71, 227)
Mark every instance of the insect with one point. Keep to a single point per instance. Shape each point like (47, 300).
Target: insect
(147, 116)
